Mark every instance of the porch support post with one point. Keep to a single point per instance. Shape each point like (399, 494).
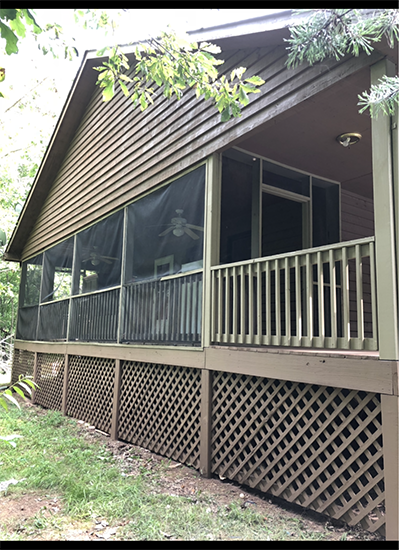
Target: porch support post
(116, 400)
(384, 212)
(212, 222)
(385, 193)
(205, 423)
(65, 385)
(390, 431)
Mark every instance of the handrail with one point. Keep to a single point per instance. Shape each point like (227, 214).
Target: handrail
(322, 297)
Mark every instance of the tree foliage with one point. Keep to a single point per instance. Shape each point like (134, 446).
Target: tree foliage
(340, 32)
(176, 64)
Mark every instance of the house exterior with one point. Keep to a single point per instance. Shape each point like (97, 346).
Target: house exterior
(225, 294)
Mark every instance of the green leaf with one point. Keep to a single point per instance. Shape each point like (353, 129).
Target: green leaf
(226, 114)
(255, 80)
(18, 26)
(243, 97)
(124, 88)
(19, 391)
(3, 404)
(7, 395)
(10, 38)
(26, 388)
(108, 92)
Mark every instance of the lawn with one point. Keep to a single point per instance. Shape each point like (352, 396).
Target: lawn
(73, 483)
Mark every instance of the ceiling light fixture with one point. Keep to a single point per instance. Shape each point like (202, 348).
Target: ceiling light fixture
(349, 138)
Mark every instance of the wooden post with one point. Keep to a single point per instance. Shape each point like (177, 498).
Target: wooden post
(211, 239)
(384, 213)
(205, 423)
(390, 432)
(35, 362)
(385, 193)
(65, 385)
(116, 400)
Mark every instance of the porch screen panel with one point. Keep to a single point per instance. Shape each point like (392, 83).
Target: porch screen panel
(325, 212)
(99, 255)
(57, 271)
(31, 280)
(236, 203)
(165, 237)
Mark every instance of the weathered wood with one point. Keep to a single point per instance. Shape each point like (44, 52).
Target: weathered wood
(330, 370)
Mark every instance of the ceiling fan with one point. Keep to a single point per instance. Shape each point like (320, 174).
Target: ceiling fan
(179, 227)
(95, 257)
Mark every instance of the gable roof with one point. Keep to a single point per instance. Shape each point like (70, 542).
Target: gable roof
(266, 31)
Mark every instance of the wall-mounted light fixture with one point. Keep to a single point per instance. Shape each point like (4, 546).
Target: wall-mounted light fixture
(349, 138)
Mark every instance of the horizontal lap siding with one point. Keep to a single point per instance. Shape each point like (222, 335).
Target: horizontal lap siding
(118, 152)
(357, 216)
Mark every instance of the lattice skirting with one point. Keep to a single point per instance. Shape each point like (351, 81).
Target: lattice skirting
(23, 363)
(90, 390)
(50, 380)
(315, 446)
(318, 447)
(160, 409)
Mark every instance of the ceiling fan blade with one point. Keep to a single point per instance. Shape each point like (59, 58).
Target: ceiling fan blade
(190, 232)
(102, 259)
(166, 231)
(195, 227)
(108, 257)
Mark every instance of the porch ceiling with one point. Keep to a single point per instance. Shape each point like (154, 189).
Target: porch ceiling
(304, 137)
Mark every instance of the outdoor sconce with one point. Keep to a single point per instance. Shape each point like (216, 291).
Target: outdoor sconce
(349, 138)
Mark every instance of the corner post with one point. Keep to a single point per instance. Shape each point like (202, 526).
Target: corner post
(384, 215)
(385, 184)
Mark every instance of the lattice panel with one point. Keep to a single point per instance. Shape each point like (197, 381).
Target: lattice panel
(316, 446)
(160, 409)
(50, 379)
(23, 363)
(90, 390)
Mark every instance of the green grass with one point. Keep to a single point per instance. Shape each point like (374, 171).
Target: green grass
(53, 457)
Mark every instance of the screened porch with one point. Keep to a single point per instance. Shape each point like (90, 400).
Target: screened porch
(282, 277)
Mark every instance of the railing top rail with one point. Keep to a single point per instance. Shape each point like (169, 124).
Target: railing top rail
(165, 278)
(334, 246)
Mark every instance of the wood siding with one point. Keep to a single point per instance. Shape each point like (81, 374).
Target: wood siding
(119, 153)
(357, 216)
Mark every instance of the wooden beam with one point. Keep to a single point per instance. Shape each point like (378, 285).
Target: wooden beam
(176, 356)
(384, 210)
(372, 375)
